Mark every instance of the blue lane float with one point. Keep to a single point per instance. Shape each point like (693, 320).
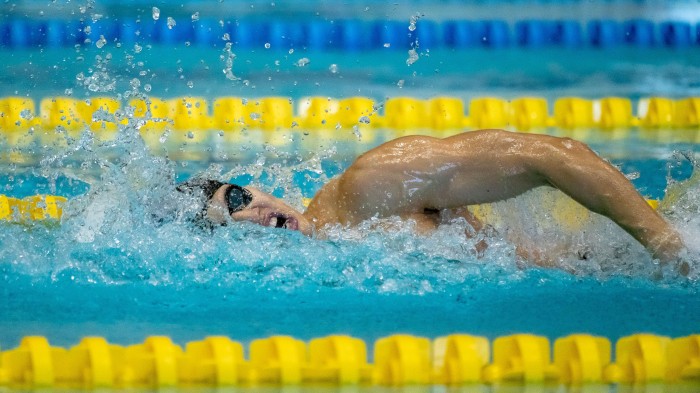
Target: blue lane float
(639, 33)
(604, 33)
(349, 34)
(567, 33)
(676, 34)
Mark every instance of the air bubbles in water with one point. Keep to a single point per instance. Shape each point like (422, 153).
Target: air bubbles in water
(195, 16)
(171, 23)
(333, 68)
(156, 13)
(303, 62)
(267, 45)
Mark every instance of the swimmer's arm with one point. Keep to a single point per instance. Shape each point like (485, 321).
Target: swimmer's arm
(413, 173)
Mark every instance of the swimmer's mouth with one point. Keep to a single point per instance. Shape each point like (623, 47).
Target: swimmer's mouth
(282, 221)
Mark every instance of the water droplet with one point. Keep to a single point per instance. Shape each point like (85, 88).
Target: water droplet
(412, 57)
(413, 20)
(226, 37)
(254, 115)
(303, 61)
(137, 48)
(356, 132)
(364, 120)
(135, 83)
(190, 84)
(68, 92)
(190, 135)
(156, 13)
(333, 68)
(295, 124)
(101, 42)
(195, 16)
(291, 51)
(400, 83)
(171, 23)
(26, 114)
(267, 45)
(147, 87)
(632, 176)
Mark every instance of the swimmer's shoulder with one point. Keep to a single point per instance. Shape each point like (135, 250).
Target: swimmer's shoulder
(324, 208)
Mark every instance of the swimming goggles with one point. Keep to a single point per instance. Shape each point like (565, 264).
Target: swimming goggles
(237, 198)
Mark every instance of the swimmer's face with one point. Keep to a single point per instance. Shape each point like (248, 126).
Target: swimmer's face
(251, 204)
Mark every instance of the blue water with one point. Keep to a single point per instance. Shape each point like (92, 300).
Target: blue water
(123, 264)
(122, 275)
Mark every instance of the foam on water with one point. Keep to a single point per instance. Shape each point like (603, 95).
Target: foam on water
(133, 226)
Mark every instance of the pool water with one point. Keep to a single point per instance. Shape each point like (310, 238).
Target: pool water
(112, 269)
(125, 264)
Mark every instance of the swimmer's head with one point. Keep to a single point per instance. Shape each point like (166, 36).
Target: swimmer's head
(222, 202)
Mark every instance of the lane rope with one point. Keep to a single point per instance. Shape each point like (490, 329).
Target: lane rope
(407, 113)
(342, 360)
(347, 34)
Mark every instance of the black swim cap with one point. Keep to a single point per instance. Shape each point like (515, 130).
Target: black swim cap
(202, 189)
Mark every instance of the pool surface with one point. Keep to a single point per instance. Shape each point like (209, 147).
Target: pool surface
(122, 263)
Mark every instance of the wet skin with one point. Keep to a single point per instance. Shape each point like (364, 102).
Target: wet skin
(413, 177)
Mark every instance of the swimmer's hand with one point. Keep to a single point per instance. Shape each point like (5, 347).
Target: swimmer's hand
(670, 250)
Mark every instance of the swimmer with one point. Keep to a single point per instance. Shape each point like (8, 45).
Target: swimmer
(417, 177)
